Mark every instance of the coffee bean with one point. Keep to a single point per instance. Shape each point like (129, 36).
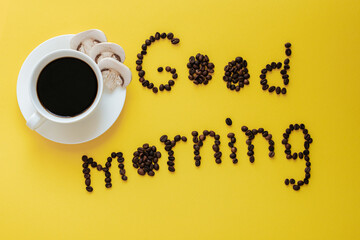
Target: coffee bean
(288, 52)
(272, 88)
(278, 90)
(252, 159)
(215, 148)
(287, 181)
(286, 61)
(228, 121)
(296, 187)
(87, 181)
(283, 90)
(155, 90)
(157, 35)
(244, 128)
(84, 158)
(170, 35)
(124, 178)
(141, 171)
(177, 138)
(163, 138)
(183, 138)
(287, 45)
(271, 154)
(172, 169)
(108, 185)
(171, 82)
(268, 137)
(231, 135)
(163, 35)
(160, 69)
(292, 181)
(156, 166)
(89, 189)
(175, 41)
(161, 87)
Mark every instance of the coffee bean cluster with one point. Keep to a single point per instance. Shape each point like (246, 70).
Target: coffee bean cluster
(200, 69)
(251, 135)
(169, 145)
(120, 159)
(236, 74)
(283, 72)
(232, 138)
(171, 82)
(89, 162)
(146, 160)
(198, 143)
(301, 155)
(139, 62)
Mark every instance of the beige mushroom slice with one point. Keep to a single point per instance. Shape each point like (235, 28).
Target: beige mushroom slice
(84, 41)
(114, 73)
(107, 49)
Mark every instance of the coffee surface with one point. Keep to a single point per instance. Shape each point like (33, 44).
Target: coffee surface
(67, 87)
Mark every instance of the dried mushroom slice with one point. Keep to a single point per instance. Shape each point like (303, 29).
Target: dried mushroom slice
(84, 41)
(107, 49)
(114, 73)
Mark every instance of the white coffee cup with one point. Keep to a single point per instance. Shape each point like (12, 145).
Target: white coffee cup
(41, 114)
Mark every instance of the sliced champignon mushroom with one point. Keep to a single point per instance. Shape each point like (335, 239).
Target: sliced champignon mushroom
(107, 49)
(84, 41)
(114, 73)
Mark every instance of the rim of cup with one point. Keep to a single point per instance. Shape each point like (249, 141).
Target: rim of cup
(41, 65)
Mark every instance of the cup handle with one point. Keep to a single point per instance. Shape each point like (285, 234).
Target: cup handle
(35, 121)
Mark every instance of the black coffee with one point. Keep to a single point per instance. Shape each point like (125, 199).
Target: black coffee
(67, 87)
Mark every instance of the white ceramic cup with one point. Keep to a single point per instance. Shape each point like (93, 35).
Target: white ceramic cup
(41, 114)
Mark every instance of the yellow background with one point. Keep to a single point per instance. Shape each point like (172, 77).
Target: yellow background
(42, 190)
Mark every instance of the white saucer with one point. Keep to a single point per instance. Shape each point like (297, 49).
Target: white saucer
(97, 123)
